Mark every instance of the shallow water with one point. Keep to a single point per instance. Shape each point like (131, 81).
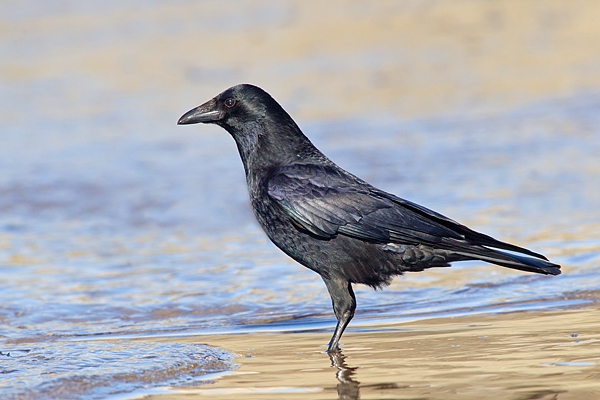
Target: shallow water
(115, 224)
(101, 369)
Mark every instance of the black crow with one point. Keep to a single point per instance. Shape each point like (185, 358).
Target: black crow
(332, 222)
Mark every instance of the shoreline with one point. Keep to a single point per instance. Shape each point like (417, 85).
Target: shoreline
(515, 355)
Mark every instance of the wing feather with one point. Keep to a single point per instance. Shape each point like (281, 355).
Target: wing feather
(326, 201)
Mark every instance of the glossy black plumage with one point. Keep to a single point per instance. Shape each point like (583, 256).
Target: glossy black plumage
(333, 222)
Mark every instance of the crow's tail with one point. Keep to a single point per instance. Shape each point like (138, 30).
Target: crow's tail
(511, 260)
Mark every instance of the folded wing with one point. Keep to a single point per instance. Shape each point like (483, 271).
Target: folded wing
(326, 201)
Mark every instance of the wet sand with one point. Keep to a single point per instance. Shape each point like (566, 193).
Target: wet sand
(538, 355)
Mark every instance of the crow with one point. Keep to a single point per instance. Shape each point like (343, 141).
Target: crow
(333, 222)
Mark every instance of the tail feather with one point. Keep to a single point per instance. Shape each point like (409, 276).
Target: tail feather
(485, 240)
(511, 260)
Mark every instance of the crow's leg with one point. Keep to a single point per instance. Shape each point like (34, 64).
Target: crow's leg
(344, 304)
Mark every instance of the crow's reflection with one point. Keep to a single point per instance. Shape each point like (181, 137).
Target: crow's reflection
(348, 388)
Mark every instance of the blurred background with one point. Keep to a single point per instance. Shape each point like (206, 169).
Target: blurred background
(88, 88)
(114, 219)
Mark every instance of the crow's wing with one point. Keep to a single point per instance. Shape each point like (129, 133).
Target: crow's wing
(327, 201)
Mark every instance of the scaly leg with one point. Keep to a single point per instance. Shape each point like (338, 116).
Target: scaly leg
(344, 305)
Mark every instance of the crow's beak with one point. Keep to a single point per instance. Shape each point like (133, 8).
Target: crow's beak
(207, 113)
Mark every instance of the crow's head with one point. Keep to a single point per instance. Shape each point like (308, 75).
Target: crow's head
(235, 109)
(255, 120)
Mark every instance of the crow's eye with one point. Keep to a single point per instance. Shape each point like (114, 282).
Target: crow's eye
(229, 102)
